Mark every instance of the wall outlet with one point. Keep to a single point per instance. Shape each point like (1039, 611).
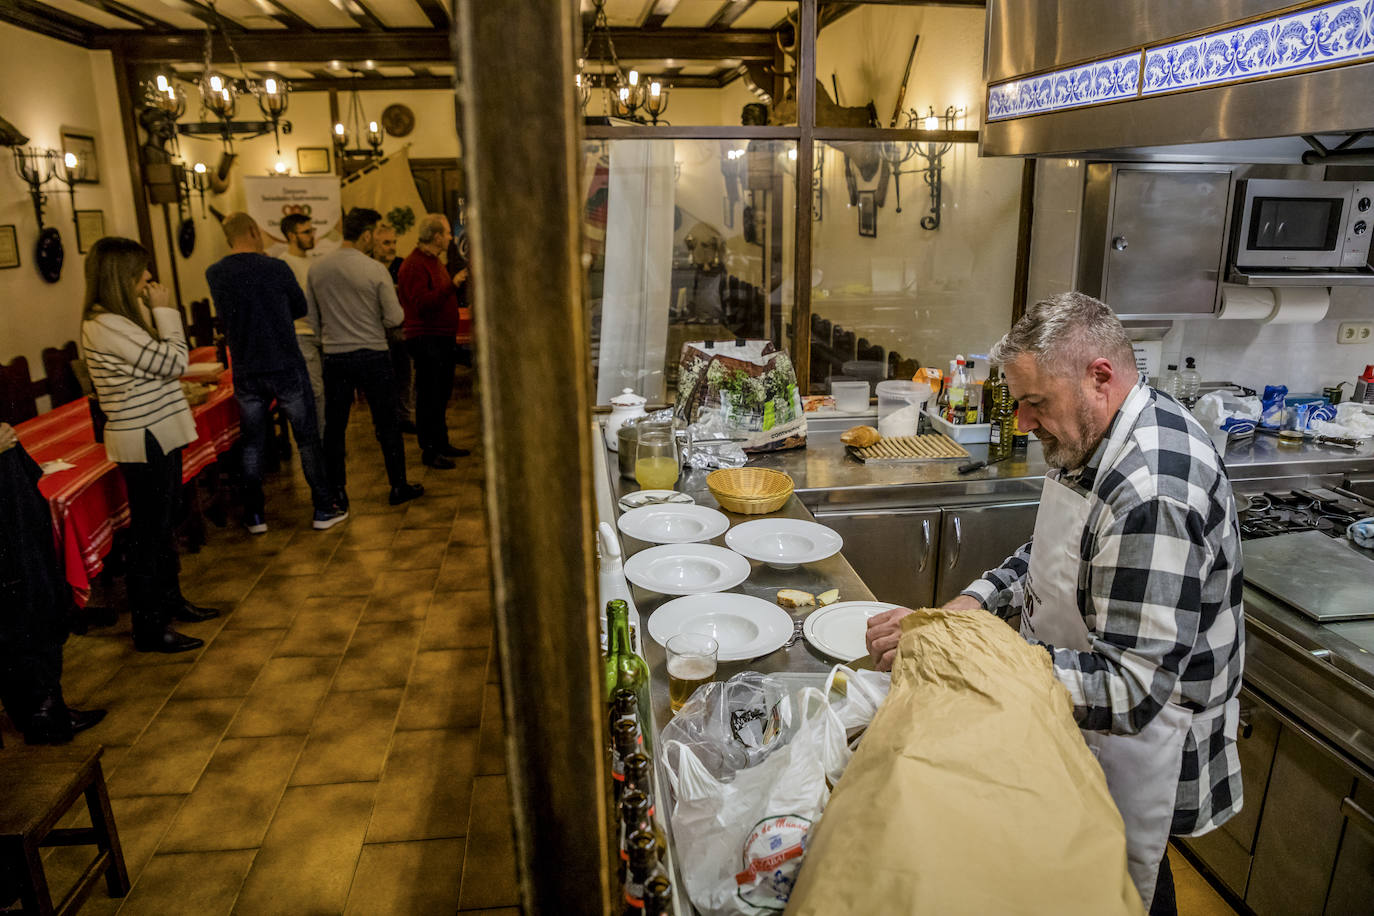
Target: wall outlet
(1354, 332)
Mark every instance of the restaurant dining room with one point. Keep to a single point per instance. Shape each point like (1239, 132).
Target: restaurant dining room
(694, 457)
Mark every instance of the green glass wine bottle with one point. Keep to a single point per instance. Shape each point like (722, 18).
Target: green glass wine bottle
(623, 667)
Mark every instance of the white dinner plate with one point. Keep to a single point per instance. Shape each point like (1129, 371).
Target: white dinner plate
(783, 542)
(671, 523)
(686, 569)
(653, 497)
(743, 626)
(838, 629)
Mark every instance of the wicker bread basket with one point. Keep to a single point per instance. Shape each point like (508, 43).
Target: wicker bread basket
(749, 491)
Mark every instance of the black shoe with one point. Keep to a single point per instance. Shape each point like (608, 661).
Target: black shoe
(452, 451)
(436, 460)
(83, 719)
(51, 723)
(190, 613)
(405, 493)
(168, 641)
(408, 427)
(342, 501)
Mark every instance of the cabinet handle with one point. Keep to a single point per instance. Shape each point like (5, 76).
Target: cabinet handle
(1358, 815)
(1119, 243)
(925, 545)
(958, 543)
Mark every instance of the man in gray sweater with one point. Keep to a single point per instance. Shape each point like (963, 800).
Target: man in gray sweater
(356, 302)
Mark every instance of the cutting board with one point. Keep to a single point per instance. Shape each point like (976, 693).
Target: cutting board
(1322, 576)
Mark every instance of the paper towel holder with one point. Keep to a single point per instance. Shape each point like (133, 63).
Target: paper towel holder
(1364, 277)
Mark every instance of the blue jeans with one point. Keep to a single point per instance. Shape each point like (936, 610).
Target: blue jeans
(290, 388)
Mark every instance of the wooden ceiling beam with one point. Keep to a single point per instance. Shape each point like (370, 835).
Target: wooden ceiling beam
(371, 83)
(45, 20)
(661, 10)
(288, 17)
(973, 3)
(399, 45)
(437, 13)
(129, 14)
(364, 17)
(687, 44)
(728, 13)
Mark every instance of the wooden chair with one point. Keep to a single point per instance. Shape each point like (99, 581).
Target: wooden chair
(37, 788)
(17, 402)
(202, 324)
(63, 386)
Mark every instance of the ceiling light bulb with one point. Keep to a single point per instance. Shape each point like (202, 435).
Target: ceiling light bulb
(624, 94)
(372, 126)
(280, 167)
(224, 93)
(338, 130)
(578, 80)
(792, 154)
(216, 84)
(634, 77)
(171, 93)
(270, 86)
(932, 123)
(69, 160)
(200, 168)
(161, 83)
(655, 88)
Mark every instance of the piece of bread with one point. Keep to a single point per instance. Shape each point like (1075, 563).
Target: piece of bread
(828, 597)
(860, 436)
(791, 597)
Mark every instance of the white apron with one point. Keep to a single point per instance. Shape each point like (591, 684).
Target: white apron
(1142, 770)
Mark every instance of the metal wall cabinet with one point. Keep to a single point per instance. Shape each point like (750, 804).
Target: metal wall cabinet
(1300, 828)
(893, 550)
(1153, 237)
(1227, 850)
(974, 539)
(1352, 882)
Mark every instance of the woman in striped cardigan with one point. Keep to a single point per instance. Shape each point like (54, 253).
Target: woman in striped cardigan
(136, 352)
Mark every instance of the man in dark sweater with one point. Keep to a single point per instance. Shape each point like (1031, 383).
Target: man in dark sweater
(430, 299)
(258, 300)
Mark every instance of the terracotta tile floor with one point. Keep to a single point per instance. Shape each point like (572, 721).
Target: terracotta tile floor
(336, 747)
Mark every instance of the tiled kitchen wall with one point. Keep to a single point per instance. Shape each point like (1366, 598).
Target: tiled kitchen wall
(1305, 357)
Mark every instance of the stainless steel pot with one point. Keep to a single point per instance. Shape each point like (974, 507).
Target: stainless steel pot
(627, 438)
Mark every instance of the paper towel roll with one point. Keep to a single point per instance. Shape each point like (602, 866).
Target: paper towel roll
(1300, 304)
(1254, 303)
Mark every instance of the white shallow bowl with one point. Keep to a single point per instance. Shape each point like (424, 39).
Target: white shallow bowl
(783, 542)
(653, 497)
(671, 523)
(743, 626)
(686, 569)
(838, 630)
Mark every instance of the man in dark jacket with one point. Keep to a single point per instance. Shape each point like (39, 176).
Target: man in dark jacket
(34, 600)
(430, 299)
(258, 300)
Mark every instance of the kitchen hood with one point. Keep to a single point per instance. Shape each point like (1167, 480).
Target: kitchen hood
(1228, 80)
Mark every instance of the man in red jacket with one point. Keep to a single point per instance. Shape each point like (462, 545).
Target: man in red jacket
(430, 299)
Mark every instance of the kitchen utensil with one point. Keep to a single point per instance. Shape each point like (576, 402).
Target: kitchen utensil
(749, 491)
(783, 543)
(1323, 577)
(745, 627)
(625, 406)
(838, 630)
(673, 523)
(686, 569)
(627, 437)
(1336, 441)
(925, 447)
(653, 498)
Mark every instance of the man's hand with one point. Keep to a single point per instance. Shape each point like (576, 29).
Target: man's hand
(885, 630)
(8, 437)
(460, 277)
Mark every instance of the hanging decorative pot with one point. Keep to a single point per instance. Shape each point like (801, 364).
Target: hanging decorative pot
(48, 254)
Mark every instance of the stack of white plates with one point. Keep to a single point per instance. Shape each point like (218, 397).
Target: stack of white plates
(784, 542)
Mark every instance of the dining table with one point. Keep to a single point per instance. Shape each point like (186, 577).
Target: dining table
(84, 488)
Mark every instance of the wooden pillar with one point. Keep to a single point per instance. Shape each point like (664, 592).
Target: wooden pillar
(533, 361)
(126, 87)
(806, 157)
(1025, 220)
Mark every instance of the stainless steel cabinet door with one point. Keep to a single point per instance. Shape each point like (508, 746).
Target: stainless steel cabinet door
(974, 539)
(1164, 248)
(892, 550)
(1352, 883)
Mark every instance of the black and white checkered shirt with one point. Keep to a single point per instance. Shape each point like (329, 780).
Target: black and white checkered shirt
(1159, 587)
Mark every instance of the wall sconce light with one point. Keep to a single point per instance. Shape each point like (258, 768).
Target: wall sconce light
(199, 180)
(374, 137)
(35, 166)
(70, 170)
(340, 139)
(897, 154)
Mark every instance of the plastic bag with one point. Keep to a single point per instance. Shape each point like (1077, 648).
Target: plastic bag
(732, 724)
(859, 696)
(754, 386)
(1351, 419)
(1214, 409)
(740, 840)
(1272, 406)
(710, 454)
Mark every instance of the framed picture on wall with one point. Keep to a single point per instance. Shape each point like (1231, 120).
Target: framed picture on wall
(9, 247)
(83, 146)
(868, 214)
(90, 227)
(312, 160)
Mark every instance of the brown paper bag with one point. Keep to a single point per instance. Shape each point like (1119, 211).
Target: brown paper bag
(972, 791)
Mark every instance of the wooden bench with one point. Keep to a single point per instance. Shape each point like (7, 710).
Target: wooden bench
(37, 788)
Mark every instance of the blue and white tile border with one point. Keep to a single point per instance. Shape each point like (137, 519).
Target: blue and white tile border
(1331, 34)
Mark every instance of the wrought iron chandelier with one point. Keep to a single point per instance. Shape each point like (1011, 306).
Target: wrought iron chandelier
(354, 128)
(626, 92)
(898, 153)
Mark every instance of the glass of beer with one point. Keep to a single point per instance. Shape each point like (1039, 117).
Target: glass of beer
(656, 466)
(691, 663)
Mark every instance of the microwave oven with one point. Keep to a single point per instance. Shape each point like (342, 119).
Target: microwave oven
(1288, 223)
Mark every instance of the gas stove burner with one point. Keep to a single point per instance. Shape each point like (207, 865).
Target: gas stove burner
(1299, 510)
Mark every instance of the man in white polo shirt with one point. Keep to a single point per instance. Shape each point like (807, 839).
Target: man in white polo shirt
(299, 231)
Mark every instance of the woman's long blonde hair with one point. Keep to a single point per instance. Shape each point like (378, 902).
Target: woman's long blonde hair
(113, 268)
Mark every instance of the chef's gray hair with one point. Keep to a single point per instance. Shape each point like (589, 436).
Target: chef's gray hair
(431, 224)
(1065, 333)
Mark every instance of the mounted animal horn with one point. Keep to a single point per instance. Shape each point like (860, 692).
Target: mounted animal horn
(786, 35)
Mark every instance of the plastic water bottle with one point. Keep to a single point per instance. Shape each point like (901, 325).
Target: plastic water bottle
(1168, 382)
(1189, 382)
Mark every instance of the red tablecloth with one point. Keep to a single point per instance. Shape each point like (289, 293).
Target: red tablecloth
(88, 501)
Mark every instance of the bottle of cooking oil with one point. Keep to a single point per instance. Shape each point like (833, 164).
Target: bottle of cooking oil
(1003, 421)
(973, 397)
(958, 392)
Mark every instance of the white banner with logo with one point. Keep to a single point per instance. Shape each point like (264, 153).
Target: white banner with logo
(272, 198)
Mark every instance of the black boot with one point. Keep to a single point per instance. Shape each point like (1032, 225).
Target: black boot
(187, 612)
(168, 641)
(83, 719)
(405, 493)
(50, 723)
